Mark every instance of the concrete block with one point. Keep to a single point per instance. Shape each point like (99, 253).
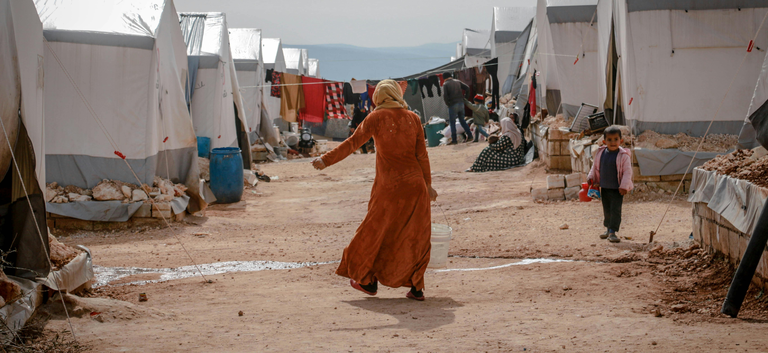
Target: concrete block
(556, 194)
(539, 194)
(697, 237)
(663, 185)
(178, 217)
(573, 180)
(743, 241)
(572, 193)
(687, 186)
(555, 181)
(723, 241)
(162, 214)
(162, 206)
(734, 244)
(557, 134)
(146, 222)
(111, 225)
(71, 223)
(553, 148)
(565, 148)
(677, 177)
(145, 211)
(636, 176)
(562, 163)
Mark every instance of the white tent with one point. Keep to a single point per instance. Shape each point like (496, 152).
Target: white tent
(314, 68)
(748, 135)
(573, 34)
(128, 60)
(509, 24)
(305, 61)
(295, 60)
(216, 105)
(21, 113)
(476, 45)
(245, 44)
(274, 59)
(675, 60)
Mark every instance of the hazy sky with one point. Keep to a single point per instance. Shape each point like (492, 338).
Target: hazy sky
(359, 22)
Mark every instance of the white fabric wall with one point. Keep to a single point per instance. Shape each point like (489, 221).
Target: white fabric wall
(27, 37)
(251, 96)
(604, 25)
(505, 53)
(680, 92)
(747, 136)
(545, 62)
(579, 81)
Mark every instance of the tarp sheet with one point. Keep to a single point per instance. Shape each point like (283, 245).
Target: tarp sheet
(107, 211)
(669, 161)
(72, 275)
(738, 201)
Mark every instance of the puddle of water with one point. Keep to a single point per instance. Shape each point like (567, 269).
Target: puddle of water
(521, 262)
(106, 275)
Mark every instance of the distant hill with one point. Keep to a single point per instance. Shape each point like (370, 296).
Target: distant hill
(341, 62)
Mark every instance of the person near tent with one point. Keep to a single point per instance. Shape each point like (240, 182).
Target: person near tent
(359, 114)
(507, 152)
(454, 99)
(480, 115)
(612, 172)
(392, 245)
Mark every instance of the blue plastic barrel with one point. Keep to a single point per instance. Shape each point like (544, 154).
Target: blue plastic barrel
(203, 147)
(227, 174)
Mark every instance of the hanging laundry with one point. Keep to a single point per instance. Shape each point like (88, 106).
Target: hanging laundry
(334, 101)
(442, 80)
(349, 96)
(268, 76)
(371, 89)
(467, 76)
(365, 101)
(428, 83)
(275, 92)
(532, 94)
(403, 86)
(481, 77)
(492, 67)
(413, 84)
(314, 98)
(292, 99)
(358, 86)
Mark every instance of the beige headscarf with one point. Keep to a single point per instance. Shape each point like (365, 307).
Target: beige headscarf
(509, 129)
(388, 95)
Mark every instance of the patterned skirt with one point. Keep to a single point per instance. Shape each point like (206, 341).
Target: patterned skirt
(490, 160)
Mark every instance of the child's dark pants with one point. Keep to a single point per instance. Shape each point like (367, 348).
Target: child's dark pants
(612, 201)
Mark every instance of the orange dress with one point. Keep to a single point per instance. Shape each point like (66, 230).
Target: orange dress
(392, 245)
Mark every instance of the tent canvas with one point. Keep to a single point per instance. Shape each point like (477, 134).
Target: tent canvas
(245, 44)
(510, 26)
(217, 106)
(476, 45)
(314, 68)
(573, 34)
(274, 59)
(21, 113)
(294, 61)
(668, 48)
(748, 135)
(128, 58)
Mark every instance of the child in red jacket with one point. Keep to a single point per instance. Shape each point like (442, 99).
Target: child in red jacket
(612, 172)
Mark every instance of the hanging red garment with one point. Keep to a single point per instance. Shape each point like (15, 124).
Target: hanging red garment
(334, 100)
(442, 80)
(314, 99)
(371, 89)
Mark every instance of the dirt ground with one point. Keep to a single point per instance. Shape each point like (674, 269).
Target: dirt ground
(608, 297)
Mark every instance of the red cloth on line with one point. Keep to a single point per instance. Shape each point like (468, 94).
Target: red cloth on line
(371, 89)
(314, 99)
(442, 80)
(532, 96)
(403, 86)
(334, 101)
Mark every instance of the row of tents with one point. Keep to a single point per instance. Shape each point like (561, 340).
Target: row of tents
(663, 66)
(121, 90)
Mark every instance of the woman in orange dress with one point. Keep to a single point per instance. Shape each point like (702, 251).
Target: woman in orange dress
(392, 245)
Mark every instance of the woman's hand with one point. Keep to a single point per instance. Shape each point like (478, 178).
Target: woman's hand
(432, 193)
(318, 163)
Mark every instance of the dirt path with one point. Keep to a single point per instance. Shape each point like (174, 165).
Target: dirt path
(603, 300)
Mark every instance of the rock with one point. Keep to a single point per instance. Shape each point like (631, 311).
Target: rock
(163, 198)
(9, 290)
(564, 226)
(240, 313)
(165, 186)
(60, 199)
(680, 308)
(665, 143)
(654, 343)
(107, 191)
(139, 195)
(572, 193)
(126, 191)
(204, 165)
(77, 197)
(54, 185)
(249, 178)
(656, 312)
(179, 190)
(50, 194)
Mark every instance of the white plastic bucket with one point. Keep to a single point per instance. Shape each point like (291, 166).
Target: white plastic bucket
(441, 240)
